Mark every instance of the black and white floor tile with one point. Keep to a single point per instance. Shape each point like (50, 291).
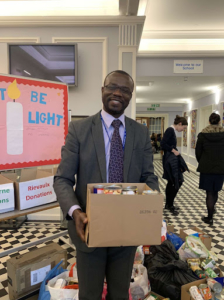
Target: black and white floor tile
(190, 199)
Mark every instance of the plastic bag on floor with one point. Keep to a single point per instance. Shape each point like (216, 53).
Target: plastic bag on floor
(139, 286)
(64, 294)
(44, 294)
(193, 248)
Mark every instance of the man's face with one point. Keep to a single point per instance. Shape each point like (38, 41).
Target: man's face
(117, 93)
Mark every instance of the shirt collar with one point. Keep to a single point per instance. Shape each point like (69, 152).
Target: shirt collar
(174, 128)
(108, 119)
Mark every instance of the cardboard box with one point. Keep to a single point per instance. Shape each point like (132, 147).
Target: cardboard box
(185, 295)
(26, 272)
(123, 220)
(7, 194)
(35, 187)
(207, 241)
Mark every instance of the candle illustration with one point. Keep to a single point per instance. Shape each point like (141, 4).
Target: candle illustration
(14, 121)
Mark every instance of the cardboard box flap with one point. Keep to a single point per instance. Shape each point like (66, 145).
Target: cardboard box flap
(10, 176)
(42, 174)
(28, 174)
(52, 171)
(4, 179)
(40, 253)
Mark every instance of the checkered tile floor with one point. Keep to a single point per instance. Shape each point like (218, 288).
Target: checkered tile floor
(190, 199)
(29, 232)
(192, 205)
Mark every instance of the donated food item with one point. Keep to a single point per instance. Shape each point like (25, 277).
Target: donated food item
(71, 287)
(60, 283)
(195, 293)
(154, 297)
(210, 273)
(127, 191)
(149, 192)
(98, 189)
(193, 262)
(208, 263)
(217, 297)
(205, 291)
(214, 285)
(201, 274)
(114, 190)
(132, 188)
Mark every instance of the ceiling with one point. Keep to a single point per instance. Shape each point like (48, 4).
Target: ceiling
(175, 89)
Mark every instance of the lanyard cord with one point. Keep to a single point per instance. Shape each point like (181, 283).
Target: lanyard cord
(124, 139)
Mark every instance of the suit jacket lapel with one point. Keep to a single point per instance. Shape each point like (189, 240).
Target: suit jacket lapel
(128, 146)
(98, 139)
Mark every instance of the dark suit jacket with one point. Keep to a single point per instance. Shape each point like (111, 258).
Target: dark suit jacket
(84, 155)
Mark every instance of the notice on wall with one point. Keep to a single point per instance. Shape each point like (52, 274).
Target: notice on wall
(33, 122)
(188, 66)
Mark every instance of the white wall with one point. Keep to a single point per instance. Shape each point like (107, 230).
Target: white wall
(86, 98)
(210, 100)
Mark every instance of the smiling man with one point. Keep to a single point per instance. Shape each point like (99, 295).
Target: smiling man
(106, 147)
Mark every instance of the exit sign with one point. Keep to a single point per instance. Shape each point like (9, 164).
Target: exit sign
(155, 105)
(151, 108)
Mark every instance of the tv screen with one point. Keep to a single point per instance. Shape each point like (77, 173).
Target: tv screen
(50, 62)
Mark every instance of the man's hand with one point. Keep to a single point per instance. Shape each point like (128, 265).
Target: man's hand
(81, 220)
(175, 152)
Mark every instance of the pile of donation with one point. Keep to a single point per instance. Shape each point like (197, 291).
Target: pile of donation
(174, 270)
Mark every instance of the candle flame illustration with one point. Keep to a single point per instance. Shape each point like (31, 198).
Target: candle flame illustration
(13, 91)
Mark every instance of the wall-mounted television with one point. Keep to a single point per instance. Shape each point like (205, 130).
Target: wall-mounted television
(54, 62)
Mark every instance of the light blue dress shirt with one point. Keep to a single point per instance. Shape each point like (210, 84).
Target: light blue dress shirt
(108, 130)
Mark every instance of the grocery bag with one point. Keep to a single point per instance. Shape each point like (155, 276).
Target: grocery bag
(139, 286)
(64, 294)
(44, 294)
(193, 248)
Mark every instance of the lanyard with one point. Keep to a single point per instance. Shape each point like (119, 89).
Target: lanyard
(124, 139)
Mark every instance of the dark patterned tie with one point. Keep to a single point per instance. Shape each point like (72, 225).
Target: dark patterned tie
(116, 155)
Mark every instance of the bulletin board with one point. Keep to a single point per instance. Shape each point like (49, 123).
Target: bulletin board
(185, 133)
(33, 122)
(193, 128)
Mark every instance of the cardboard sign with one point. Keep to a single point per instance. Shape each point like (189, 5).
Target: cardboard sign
(7, 201)
(34, 192)
(33, 122)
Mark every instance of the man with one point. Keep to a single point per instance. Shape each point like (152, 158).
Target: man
(106, 147)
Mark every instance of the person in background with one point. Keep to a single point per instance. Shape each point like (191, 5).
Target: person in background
(159, 137)
(106, 147)
(210, 156)
(169, 144)
(154, 141)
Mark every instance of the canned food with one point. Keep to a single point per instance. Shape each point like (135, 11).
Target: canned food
(218, 297)
(98, 189)
(214, 285)
(149, 192)
(195, 293)
(205, 291)
(113, 190)
(133, 188)
(127, 191)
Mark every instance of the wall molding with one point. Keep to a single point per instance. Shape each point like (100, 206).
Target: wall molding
(19, 39)
(171, 53)
(59, 21)
(102, 40)
(183, 34)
